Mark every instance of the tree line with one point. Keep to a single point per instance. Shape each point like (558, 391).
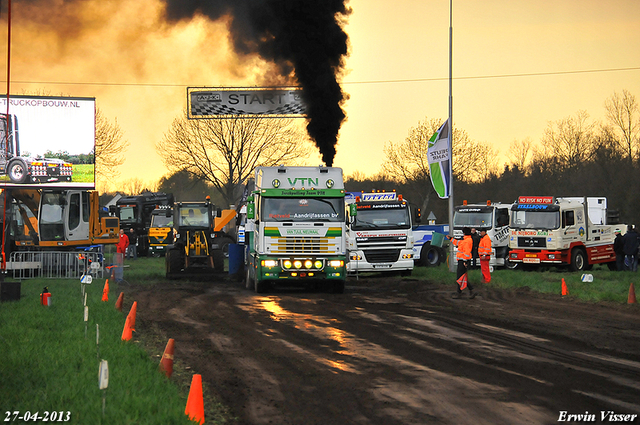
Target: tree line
(575, 157)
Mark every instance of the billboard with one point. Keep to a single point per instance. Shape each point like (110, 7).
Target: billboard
(257, 102)
(47, 141)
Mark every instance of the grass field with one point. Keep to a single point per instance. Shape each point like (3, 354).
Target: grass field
(83, 173)
(606, 286)
(48, 364)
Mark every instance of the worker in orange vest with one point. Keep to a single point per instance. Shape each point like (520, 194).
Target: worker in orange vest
(484, 252)
(465, 245)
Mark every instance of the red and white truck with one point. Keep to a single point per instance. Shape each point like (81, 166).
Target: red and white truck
(563, 231)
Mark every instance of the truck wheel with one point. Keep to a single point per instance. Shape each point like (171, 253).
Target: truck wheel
(261, 286)
(430, 256)
(510, 264)
(173, 263)
(248, 282)
(223, 244)
(18, 172)
(578, 260)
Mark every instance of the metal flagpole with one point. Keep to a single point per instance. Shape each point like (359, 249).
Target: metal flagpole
(3, 260)
(452, 260)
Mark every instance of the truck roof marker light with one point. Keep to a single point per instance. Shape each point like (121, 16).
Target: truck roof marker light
(399, 197)
(464, 202)
(488, 202)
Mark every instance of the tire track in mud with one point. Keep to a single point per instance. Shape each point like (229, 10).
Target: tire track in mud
(391, 354)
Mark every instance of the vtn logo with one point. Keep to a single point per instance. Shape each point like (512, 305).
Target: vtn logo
(302, 180)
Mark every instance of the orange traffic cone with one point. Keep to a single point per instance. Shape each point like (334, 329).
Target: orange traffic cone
(565, 290)
(166, 363)
(126, 332)
(632, 295)
(132, 315)
(195, 403)
(119, 302)
(105, 291)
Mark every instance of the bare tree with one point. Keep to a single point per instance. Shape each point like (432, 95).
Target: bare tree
(624, 114)
(136, 186)
(568, 142)
(408, 160)
(520, 152)
(225, 152)
(109, 148)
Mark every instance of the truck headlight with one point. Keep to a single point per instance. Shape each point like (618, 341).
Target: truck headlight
(269, 263)
(336, 263)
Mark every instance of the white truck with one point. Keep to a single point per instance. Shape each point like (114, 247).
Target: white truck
(379, 233)
(492, 217)
(296, 228)
(564, 231)
(23, 169)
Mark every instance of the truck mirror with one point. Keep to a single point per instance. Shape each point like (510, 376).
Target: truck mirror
(251, 210)
(353, 210)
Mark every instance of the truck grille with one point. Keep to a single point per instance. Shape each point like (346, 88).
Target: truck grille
(373, 242)
(531, 242)
(382, 255)
(302, 245)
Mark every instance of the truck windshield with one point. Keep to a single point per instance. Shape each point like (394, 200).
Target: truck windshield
(479, 219)
(128, 213)
(194, 216)
(302, 209)
(161, 221)
(535, 220)
(397, 218)
(52, 217)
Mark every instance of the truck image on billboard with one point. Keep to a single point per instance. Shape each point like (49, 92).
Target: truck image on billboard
(47, 140)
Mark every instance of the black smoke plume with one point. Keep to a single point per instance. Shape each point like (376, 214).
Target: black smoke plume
(303, 38)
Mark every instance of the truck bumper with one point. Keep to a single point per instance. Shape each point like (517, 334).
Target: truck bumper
(538, 257)
(158, 249)
(296, 268)
(358, 262)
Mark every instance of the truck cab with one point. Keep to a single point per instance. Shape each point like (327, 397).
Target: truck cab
(295, 228)
(561, 231)
(379, 233)
(492, 217)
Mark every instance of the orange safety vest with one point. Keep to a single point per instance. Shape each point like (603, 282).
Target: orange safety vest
(464, 247)
(485, 246)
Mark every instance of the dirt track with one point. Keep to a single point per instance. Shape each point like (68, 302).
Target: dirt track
(393, 351)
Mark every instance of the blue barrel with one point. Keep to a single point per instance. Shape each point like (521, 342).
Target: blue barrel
(236, 258)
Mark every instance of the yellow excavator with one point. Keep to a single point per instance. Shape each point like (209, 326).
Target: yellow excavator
(199, 243)
(41, 219)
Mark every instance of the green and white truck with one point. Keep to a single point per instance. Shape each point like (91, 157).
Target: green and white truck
(295, 231)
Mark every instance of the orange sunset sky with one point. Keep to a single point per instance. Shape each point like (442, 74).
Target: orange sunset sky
(517, 65)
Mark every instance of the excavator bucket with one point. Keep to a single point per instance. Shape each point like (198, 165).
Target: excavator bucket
(224, 219)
